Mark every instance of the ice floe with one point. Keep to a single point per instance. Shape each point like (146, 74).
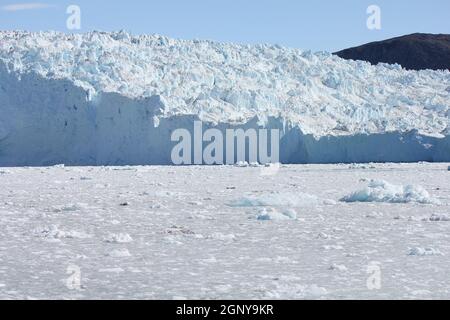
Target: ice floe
(266, 214)
(118, 238)
(294, 200)
(383, 191)
(424, 252)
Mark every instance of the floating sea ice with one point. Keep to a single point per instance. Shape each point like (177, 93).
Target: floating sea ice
(382, 191)
(119, 253)
(266, 214)
(68, 208)
(222, 237)
(118, 238)
(338, 267)
(279, 200)
(424, 252)
(56, 233)
(436, 218)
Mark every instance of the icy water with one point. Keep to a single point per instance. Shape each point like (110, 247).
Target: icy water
(225, 232)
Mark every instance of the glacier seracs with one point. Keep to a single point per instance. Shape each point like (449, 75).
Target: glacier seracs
(320, 96)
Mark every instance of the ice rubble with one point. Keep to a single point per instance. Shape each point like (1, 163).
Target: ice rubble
(279, 200)
(118, 238)
(55, 232)
(296, 291)
(437, 218)
(422, 252)
(383, 191)
(266, 214)
(113, 98)
(279, 206)
(119, 253)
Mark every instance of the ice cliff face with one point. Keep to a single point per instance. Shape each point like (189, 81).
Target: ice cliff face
(320, 92)
(103, 98)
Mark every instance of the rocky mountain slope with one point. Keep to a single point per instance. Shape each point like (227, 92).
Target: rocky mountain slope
(413, 52)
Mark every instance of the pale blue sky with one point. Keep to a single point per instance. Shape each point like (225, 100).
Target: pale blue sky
(310, 24)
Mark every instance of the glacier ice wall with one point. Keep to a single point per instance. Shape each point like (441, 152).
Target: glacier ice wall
(114, 99)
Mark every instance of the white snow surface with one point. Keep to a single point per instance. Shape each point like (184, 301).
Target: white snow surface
(220, 82)
(178, 237)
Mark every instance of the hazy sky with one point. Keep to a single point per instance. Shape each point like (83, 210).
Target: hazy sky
(313, 24)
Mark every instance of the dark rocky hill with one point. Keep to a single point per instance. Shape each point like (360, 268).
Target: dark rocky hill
(414, 52)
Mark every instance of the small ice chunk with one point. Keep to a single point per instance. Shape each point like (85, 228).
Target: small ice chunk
(382, 191)
(242, 164)
(423, 252)
(293, 200)
(118, 238)
(338, 267)
(54, 232)
(222, 237)
(119, 253)
(436, 218)
(266, 214)
(67, 208)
